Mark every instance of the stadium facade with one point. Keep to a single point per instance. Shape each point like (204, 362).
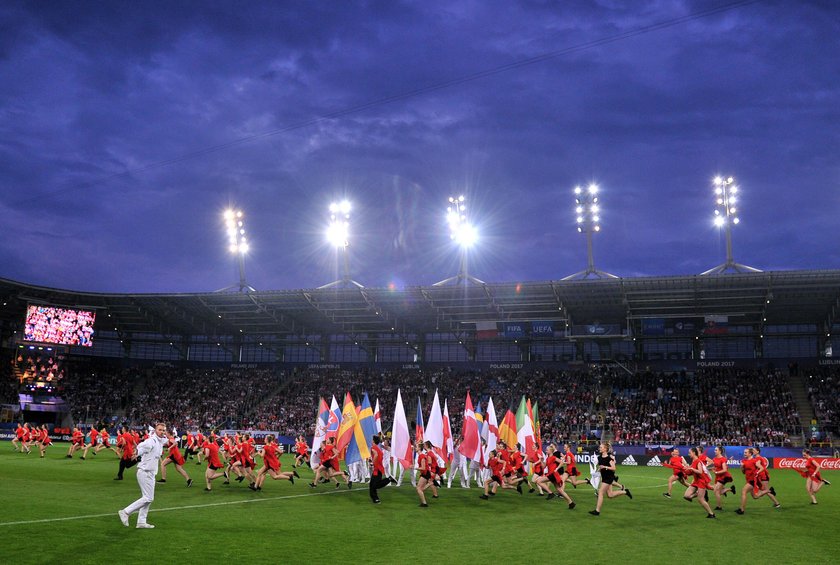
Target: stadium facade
(739, 318)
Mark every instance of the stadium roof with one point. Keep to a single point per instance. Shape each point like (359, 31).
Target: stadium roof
(788, 297)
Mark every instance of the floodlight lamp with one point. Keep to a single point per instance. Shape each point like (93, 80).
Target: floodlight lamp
(736, 221)
(577, 190)
(580, 229)
(333, 208)
(718, 190)
(580, 219)
(730, 180)
(594, 208)
(228, 214)
(720, 200)
(243, 247)
(579, 209)
(240, 224)
(451, 199)
(461, 198)
(733, 190)
(719, 221)
(718, 180)
(465, 235)
(597, 228)
(596, 218)
(242, 232)
(233, 248)
(732, 210)
(337, 234)
(239, 214)
(731, 199)
(345, 206)
(595, 199)
(717, 212)
(593, 189)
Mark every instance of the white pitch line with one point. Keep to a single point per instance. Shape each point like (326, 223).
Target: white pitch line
(191, 506)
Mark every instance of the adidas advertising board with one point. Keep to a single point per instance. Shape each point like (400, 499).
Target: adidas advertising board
(655, 462)
(629, 461)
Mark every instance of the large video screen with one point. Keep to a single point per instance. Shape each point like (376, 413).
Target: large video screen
(62, 326)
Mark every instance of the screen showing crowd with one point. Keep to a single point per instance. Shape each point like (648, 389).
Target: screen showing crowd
(62, 326)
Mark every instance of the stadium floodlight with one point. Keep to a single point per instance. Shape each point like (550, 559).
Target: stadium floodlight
(238, 245)
(588, 221)
(726, 197)
(464, 234)
(338, 236)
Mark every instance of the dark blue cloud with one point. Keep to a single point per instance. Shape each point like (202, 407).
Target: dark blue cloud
(104, 123)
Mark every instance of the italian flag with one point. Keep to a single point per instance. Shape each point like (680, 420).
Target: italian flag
(525, 427)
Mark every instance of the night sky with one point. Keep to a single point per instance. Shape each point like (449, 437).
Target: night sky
(127, 128)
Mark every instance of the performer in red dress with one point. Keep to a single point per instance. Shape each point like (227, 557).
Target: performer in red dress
(497, 471)
(44, 440)
(174, 458)
(301, 450)
(813, 480)
(678, 465)
(722, 476)
(762, 477)
(329, 467)
(701, 481)
(571, 472)
(271, 465)
(125, 443)
(77, 441)
(748, 469)
(214, 464)
(18, 441)
(94, 437)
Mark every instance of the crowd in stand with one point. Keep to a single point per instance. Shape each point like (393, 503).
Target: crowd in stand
(9, 385)
(204, 398)
(823, 387)
(35, 365)
(565, 399)
(734, 406)
(97, 392)
(721, 406)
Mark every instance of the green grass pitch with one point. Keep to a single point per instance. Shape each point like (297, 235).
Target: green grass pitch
(56, 510)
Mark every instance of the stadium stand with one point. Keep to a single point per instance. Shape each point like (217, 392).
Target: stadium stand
(824, 393)
(720, 406)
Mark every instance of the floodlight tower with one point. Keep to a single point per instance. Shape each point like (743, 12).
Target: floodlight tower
(726, 198)
(588, 212)
(338, 235)
(238, 246)
(464, 234)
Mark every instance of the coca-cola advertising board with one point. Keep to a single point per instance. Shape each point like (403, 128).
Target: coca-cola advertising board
(827, 463)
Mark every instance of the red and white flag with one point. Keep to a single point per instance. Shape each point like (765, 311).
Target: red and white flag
(377, 417)
(400, 441)
(469, 430)
(492, 426)
(434, 428)
(448, 444)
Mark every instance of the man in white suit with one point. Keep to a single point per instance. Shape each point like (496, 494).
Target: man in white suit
(149, 452)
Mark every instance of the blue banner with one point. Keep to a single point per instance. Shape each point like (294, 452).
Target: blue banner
(653, 326)
(596, 329)
(542, 328)
(514, 329)
(685, 326)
